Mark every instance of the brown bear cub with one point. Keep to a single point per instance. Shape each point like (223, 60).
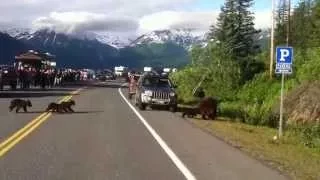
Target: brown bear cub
(20, 103)
(61, 107)
(190, 112)
(207, 109)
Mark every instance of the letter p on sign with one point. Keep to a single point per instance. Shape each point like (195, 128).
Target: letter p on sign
(284, 53)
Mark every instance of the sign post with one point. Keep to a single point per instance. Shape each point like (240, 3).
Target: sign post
(284, 56)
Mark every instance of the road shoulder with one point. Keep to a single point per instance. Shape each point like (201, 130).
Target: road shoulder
(285, 156)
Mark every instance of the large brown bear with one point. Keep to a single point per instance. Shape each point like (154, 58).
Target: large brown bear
(207, 108)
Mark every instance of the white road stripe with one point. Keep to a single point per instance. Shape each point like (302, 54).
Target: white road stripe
(185, 171)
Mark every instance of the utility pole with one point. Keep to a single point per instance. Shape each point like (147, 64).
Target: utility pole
(272, 40)
(288, 6)
(288, 23)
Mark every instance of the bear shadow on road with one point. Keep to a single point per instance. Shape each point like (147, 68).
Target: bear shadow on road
(76, 112)
(163, 108)
(82, 112)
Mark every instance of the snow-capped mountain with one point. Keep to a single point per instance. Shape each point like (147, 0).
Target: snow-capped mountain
(47, 35)
(70, 50)
(19, 33)
(116, 41)
(183, 37)
(97, 49)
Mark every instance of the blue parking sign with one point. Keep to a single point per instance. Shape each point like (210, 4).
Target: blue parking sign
(284, 57)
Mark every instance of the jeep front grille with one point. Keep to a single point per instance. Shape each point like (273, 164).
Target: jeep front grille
(160, 95)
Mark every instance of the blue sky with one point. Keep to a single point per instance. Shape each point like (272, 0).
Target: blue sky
(216, 4)
(261, 8)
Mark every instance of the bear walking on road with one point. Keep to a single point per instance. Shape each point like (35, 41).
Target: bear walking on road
(20, 103)
(61, 107)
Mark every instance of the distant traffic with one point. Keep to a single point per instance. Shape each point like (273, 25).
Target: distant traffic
(125, 72)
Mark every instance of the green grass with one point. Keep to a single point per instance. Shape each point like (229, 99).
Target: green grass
(288, 154)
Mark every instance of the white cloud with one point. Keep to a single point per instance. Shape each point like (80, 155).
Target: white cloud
(83, 21)
(198, 21)
(111, 15)
(263, 19)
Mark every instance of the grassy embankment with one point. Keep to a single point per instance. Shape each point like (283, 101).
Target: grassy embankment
(287, 154)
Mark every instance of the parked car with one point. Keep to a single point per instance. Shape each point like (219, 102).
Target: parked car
(100, 77)
(154, 90)
(110, 76)
(104, 76)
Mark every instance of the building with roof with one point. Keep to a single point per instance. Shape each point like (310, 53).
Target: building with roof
(35, 59)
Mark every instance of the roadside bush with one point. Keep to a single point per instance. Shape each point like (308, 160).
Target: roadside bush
(256, 99)
(221, 75)
(309, 134)
(260, 99)
(231, 110)
(186, 80)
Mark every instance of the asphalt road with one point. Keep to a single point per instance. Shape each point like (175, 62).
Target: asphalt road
(11, 122)
(106, 139)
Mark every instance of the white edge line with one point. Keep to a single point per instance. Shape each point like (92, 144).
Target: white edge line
(185, 171)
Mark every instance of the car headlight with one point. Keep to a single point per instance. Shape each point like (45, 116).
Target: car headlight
(172, 94)
(148, 93)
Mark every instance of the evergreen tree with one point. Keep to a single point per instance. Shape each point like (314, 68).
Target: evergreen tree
(301, 23)
(235, 28)
(196, 54)
(281, 23)
(211, 33)
(315, 32)
(304, 25)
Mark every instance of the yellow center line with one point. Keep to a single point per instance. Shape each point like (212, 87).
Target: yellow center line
(27, 126)
(6, 145)
(21, 130)
(26, 133)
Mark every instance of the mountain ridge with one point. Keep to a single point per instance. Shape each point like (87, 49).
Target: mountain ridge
(183, 37)
(158, 48)
(10, 47)
(72, 51)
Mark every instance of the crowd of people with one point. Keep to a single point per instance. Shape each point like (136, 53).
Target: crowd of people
(27, 78)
